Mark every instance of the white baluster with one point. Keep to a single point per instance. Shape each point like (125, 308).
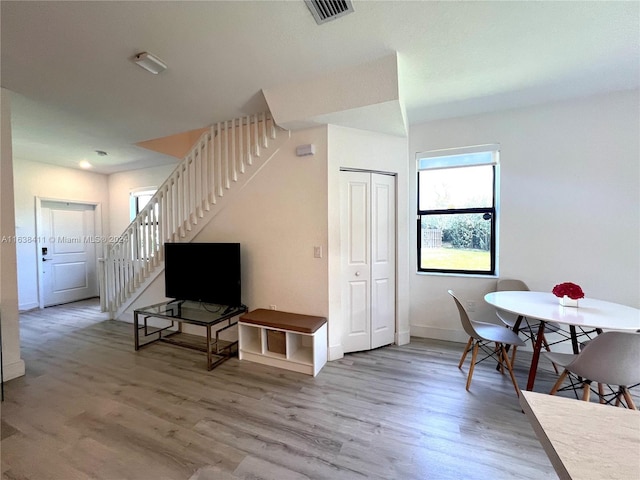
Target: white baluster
(179, 198)
(205, 174)
(162, 227)
(241, 156)
(211, 167)
(198, 182)
(234, 162)
(226, 174)
(188, 197)
(272, 127)
(247, 150)
(256, 136)
(263, 124)
(218, 159)
(153, 234)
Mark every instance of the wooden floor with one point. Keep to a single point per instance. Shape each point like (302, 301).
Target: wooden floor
(90, 407)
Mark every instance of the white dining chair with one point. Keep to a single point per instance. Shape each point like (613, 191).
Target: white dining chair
(611, 358)
(481, 334)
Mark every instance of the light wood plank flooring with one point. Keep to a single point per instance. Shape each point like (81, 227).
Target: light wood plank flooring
(90, 407)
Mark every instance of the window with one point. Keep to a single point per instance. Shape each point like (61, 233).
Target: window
(457, 210)
(139, 199)
(146, 237)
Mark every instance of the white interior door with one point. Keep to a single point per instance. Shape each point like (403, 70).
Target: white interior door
(383, 260)
(355, 234)
(67, 252)
(368, 260)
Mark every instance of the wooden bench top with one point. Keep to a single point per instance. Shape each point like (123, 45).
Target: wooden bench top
(283, 320)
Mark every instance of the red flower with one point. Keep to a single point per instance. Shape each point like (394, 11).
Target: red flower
(569, 289)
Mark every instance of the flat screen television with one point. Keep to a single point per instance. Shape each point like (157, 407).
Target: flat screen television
(203, 272)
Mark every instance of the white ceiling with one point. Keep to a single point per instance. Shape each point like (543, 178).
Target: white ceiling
(75, 89)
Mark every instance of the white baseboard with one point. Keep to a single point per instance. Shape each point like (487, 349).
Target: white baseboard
(13, 370)
(423, 331)
(336, 352)
(403, 338)
(25, 307)
(125, 317)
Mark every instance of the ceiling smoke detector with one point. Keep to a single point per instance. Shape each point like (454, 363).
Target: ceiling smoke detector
(326, 10)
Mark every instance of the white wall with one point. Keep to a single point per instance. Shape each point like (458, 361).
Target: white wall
(278, 217)
(13, 365)
(120, 187)
(570, 203)
(291, 206)
(368, 151)
(35, 179)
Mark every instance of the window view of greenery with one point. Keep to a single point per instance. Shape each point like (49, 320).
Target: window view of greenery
(456, 213)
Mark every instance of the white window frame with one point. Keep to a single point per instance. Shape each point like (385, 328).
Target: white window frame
(133, 199)
(460, 158)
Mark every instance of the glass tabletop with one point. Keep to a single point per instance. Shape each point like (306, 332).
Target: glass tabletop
(198, 313)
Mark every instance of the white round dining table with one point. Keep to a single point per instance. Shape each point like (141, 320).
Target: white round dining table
(544, 306)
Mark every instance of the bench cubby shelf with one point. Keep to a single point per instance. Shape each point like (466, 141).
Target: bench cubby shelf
(305, 340)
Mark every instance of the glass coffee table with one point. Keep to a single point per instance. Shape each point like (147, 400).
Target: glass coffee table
(163, 322)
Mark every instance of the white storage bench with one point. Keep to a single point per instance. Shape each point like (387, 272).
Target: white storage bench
(284, 340)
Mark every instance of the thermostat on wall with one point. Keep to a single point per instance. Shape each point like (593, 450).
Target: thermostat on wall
(303, 150)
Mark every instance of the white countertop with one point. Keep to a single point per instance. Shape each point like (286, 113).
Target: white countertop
(585, 440)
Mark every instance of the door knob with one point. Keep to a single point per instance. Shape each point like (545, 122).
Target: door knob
(357, 274)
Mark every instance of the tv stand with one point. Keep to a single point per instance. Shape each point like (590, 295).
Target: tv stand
(228, 310)
(174, 313)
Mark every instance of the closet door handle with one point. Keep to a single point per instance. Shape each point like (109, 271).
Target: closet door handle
(357, 274)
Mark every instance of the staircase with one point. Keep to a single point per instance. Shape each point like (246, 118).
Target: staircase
(220, 163)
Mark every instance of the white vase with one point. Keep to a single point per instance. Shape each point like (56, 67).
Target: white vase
(568, 302)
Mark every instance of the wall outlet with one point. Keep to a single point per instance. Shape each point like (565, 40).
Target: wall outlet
(471, 306)
(317, 252)
(272, 307)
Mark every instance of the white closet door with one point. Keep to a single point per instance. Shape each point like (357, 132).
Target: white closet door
(383, 260)
(368, 260)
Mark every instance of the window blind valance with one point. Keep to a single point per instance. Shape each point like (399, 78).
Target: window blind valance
(458, 157)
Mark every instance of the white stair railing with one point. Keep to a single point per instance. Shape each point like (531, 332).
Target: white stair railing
(214, 164)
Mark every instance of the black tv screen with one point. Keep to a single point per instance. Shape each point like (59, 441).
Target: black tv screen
(203, 272)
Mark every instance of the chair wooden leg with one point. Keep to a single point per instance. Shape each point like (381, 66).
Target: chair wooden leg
(586, 391)
(513, 354)
(505, 357)
(601, 392)
(466, 350)
(558, 383)
(474, 354)
(627, 397)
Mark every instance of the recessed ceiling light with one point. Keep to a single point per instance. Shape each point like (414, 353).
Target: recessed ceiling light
(150, 62)
(84, 164)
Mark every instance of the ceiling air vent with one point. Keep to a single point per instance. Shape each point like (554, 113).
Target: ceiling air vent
(327, 10)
